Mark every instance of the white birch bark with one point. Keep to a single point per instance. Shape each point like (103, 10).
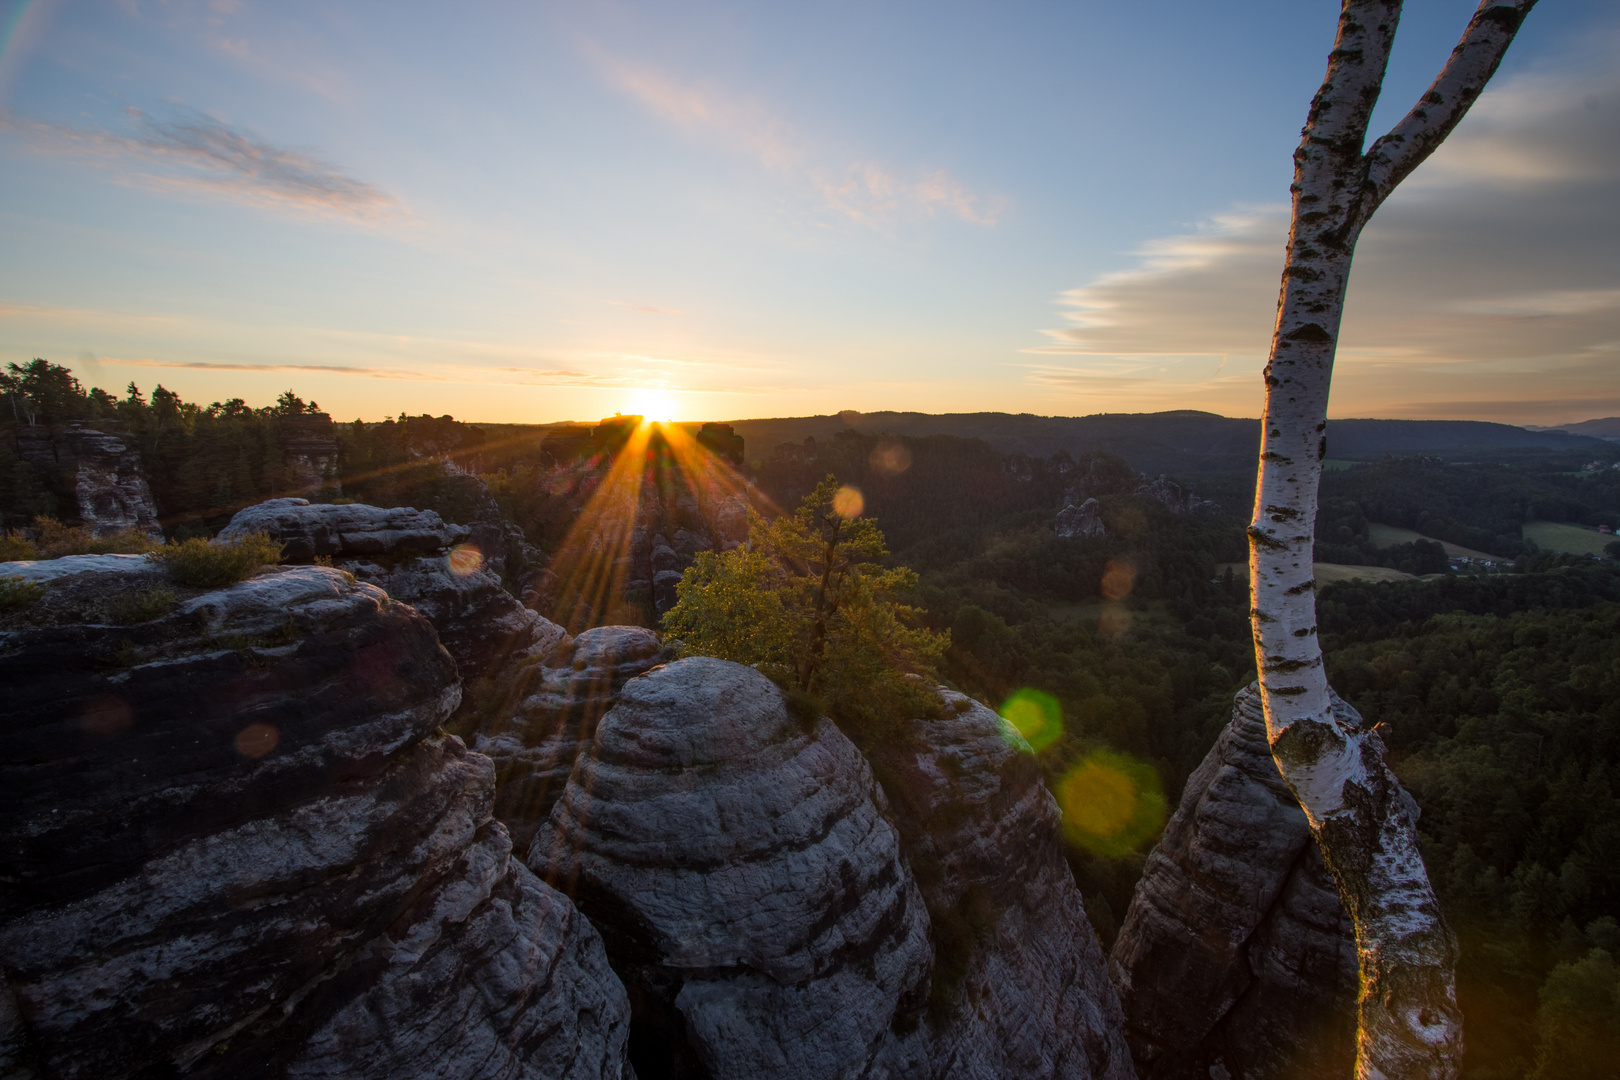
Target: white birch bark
(1366, 824)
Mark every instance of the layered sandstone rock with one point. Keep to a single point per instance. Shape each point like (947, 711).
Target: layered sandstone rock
(236, 846)
(1236, 957)
(750, 890)
(414, 557)
(553, 708)
(1019, 983)
(108, 481)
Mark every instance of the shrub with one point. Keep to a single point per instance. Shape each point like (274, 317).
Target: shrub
(14, 546)
(54, 540)
(16, 592)
(204, 564)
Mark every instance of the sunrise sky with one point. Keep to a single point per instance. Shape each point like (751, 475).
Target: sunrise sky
(536, 212)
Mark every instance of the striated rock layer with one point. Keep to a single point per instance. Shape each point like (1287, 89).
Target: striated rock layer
(749, 889)
(1236, 957)
(773, 914)
(550, 715)
(415, 557)
(1019, 983)
(235, 845)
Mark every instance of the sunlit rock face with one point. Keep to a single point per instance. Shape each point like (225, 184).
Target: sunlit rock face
(109, 483)
(750, 890)
(1019, 986)
(554, 706)
(235, 846)
(1236, 957)
(416, 558)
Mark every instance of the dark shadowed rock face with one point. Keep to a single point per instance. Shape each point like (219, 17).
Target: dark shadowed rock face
(1019, 984)
(750, 890)
(1236, 957)
(553, 708)
(234, 844)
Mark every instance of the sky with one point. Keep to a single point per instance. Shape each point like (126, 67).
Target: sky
(701, 210)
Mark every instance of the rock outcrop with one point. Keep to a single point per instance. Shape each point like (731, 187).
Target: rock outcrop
(1019, 982)
(107, 479)
(415, 557)
(1236, 958)
(237, 844)
(550, 717)
(747, 884)
(1085, 520)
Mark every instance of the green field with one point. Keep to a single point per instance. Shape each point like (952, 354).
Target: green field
(1389, 535)
(1326, 573)
(1572, 539)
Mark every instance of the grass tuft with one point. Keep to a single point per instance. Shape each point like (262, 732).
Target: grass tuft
(16, 592)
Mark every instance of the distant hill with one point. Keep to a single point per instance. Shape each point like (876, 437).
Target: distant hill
(1606, 428)
(1181, 442)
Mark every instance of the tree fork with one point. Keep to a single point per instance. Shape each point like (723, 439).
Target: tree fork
(1409, 1025)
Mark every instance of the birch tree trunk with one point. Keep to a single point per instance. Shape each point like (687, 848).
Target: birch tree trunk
(1366, 824)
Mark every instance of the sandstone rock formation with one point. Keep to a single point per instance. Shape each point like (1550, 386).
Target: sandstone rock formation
(1236, 958)
(411, 555)
(1084, 520)
(1019, 982)
(236, 845)
(352, 531)
(1179, 500)
(106, 475)
(773, 913)
(549, 715)
(749, 889)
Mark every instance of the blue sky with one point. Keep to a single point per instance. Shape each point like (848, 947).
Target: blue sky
(551, 211)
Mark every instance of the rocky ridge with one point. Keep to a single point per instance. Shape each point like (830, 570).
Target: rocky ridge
(107, 479)
(1236, 957)
(237, 844)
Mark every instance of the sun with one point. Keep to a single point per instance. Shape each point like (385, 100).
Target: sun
(653, 405)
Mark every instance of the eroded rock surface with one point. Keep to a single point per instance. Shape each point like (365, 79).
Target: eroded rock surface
(411, 555)
(351, 531)
(1084, 520)
(556, 703)
(235, 845)
(1236, 953)
(748, 886)
(1019, 983)
(108, 481)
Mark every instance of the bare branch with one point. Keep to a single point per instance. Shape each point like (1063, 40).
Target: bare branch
(1471, 65)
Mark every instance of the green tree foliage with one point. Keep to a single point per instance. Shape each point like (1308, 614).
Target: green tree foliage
(810, 600)
(1578, 1021)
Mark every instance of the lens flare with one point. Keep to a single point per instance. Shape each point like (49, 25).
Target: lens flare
(1114, 620)
(1118, 579)
(1036, 716)
(465, 559)
(849, 502)
(890, 458)
(257, 740)
(1112, 804)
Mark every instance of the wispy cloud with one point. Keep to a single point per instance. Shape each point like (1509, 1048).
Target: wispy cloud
(330, 369)
(1492, 270)
(866, 192)
(197, 153)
